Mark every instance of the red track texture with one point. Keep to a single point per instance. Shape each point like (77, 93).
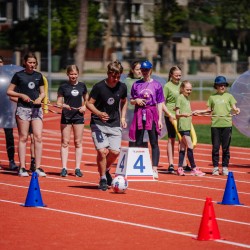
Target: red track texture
(164, 214)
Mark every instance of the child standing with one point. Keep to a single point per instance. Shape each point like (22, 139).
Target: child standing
(28, 86)
(184, 120)
(220, 104)
(72, 94)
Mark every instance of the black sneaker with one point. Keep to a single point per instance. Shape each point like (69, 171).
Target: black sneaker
(32, 166)
(13, 166)
(109, 178)
(64, 172)
(171, 169)
(187, 168)
(78, 173)
(103, 185)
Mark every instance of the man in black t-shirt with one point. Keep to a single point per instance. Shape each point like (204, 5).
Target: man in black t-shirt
(108, 104)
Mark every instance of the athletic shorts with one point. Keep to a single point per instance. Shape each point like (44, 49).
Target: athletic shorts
(170, 128)
(186, 132)
(72, 121)
(29, 114)
(106, 137)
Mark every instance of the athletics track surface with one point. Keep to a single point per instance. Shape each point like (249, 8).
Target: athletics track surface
(152, 215)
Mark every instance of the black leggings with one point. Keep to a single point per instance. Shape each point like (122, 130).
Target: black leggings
(10, 147)
(221, 137)
(153, 139)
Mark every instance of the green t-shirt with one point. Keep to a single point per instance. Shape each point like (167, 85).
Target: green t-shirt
(171, 92)
(221, 104)
(183, 104)
(129, 82)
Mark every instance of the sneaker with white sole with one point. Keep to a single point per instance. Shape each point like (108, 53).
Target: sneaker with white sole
(23, 172)
(180, 171)
(225, 171)
(40, 172)
(155, 174)
(78, 172)
(216, 171)
(64, 172)
(197, 172)
(171, 169)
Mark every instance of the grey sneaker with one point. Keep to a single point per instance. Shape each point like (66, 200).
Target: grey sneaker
(216, 171)
(78, 173)
(40, 172)
(225, 171)
(12, 165)
(23, 173)
(64, 172)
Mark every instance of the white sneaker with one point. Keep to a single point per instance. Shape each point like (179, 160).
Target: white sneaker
(155, 174)
(225, 171)
(216, 171)
(40, 172)
(23, 173)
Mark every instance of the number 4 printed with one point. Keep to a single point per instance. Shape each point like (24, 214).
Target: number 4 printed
(139, 164)
(122, 165)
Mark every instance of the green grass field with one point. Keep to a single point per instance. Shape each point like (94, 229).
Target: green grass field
(203, 133)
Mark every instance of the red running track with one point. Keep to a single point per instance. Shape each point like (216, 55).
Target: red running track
(163, 214)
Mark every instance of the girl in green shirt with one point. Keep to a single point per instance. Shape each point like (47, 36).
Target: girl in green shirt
(184, 120)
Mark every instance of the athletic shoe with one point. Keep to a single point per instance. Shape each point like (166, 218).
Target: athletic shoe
(64, 172)
(187, 168)
(155, 174)
(40, 172)
(171, 169)
(23, 173)
(225, 171)
(32, 166)
(197, 172)
(216, 171)
(78, 173)
(12, 165)
(180, 171)
(103, 185)
(109, 178)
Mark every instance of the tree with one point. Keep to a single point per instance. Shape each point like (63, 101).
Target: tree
(230, 22)
(82, 36)
(169, 18)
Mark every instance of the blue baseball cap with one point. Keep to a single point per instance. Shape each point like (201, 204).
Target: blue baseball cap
(146, 65)
(219, 80)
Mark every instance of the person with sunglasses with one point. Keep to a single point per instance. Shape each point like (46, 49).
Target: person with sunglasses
(108, 105)
(148, 98)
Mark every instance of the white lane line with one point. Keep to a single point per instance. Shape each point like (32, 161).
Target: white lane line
(132, 224)
(129, 204)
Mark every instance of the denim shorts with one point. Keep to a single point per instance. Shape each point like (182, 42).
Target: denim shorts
(29, 114)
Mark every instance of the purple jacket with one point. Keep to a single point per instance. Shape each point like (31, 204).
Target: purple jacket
(151, 116)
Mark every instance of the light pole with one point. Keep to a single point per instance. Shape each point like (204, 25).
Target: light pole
(49, 46)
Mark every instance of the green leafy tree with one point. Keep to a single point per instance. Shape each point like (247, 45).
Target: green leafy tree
(169, 18)
(230, 22)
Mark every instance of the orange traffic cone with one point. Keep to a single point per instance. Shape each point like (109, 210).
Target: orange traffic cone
(208, 228)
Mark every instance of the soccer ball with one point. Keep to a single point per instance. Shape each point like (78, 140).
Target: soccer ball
(119, 184)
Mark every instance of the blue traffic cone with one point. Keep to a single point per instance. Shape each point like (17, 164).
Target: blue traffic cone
(34, 198)
(230, 195)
